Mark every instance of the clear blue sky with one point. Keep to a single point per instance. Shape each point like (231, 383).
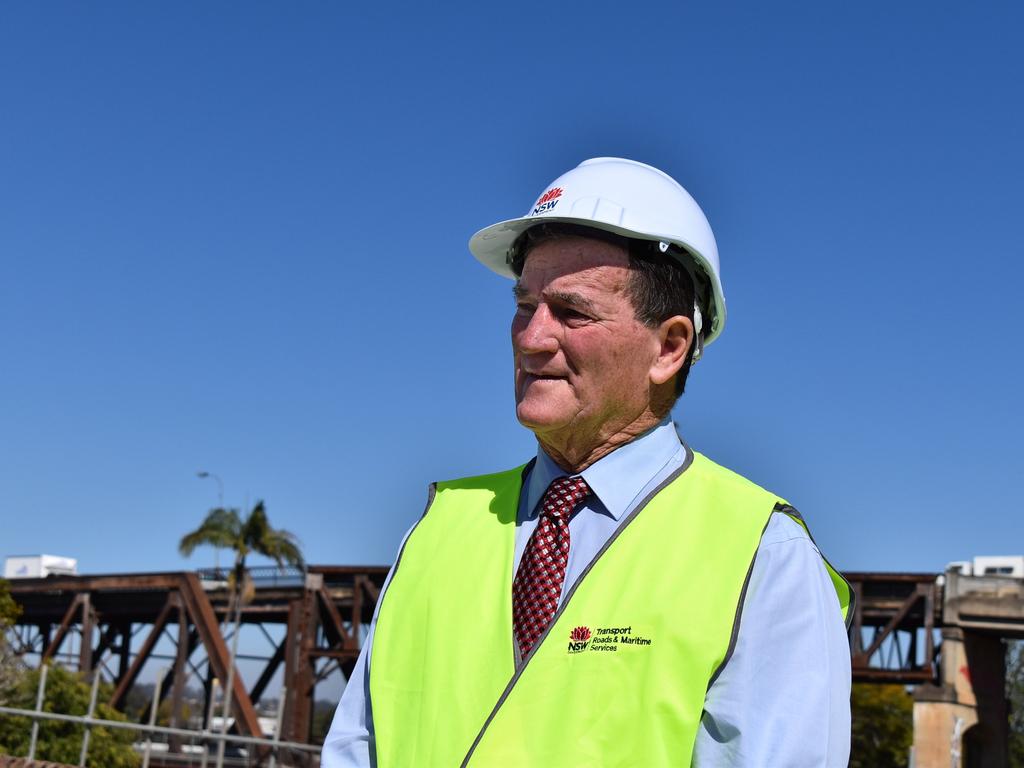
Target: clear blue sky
(233, 238)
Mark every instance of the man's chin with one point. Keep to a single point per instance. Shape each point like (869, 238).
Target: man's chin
(539, 420)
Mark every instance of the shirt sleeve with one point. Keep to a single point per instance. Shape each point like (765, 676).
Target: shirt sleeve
(783, 698)
(349, 742)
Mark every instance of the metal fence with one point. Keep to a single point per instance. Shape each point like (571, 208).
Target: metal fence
(205, 748)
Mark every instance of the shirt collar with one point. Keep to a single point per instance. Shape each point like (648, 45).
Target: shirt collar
(616, 479)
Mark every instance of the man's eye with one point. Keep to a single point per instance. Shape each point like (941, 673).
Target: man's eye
(572, 314)
(523, 308)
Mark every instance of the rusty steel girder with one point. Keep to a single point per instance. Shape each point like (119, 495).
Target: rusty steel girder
(119, 619)
(893, 633)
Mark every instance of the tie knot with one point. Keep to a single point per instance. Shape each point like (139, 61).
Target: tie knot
(563, 496)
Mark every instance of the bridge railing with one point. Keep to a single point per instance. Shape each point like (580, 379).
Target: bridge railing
(262, 576)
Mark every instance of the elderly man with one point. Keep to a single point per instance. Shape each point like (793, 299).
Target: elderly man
(620, 600)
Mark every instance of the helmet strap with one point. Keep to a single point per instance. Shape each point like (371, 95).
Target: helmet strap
(698, 336)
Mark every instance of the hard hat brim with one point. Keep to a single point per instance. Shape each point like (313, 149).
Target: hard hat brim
(491, 247)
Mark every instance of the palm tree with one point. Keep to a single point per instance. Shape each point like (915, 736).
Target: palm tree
(251, 535)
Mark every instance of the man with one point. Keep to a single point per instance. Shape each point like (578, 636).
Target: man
(620, 600)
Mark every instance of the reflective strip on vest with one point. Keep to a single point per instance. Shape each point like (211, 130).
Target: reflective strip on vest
(620, 677)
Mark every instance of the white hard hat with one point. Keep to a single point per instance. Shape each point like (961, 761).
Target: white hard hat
(626, 198)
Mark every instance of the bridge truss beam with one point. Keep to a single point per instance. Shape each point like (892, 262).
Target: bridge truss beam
(121, 626)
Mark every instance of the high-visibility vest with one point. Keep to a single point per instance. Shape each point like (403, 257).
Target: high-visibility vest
(620, 676)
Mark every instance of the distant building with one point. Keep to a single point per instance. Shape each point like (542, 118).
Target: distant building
(990, 565)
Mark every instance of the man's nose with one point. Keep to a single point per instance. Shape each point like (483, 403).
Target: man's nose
(537, 334)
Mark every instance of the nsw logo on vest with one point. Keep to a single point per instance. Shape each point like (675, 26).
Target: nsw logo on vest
(579, 639)
(604, 639)
(547, 201)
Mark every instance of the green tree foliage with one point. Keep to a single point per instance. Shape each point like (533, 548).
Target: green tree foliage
(883, 726)
(61, 742)
(1015, 700)
(9, 610)
(10, 664)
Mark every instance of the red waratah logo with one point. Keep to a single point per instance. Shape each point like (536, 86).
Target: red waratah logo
(551, 194)
(547, 201)
(580, 634)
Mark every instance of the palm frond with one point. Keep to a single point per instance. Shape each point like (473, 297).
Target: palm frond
(220, 528)
(252, 535)
(262, 538)
(282, 546)
(255, 526)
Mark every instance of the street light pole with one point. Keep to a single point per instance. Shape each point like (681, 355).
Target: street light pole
(203, 474)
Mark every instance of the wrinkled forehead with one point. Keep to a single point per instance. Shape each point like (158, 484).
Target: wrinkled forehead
(575, 261)
(543, 233)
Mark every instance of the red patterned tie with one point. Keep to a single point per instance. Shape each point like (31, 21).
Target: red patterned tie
(538, 582)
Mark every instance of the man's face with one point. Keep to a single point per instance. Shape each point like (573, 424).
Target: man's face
(582, 359)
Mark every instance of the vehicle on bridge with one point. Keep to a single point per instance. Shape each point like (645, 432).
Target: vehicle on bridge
(39, 566)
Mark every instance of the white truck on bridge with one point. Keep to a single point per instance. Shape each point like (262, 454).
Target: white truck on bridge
(39, 566)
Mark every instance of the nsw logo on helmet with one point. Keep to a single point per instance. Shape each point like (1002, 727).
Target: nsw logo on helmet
(547, 201)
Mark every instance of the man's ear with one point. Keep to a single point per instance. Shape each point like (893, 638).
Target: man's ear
(675, 336)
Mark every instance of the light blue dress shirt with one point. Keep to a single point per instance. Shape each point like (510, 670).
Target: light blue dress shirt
(783, 699)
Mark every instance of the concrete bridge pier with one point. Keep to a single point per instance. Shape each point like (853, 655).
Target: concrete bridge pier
(962, 722)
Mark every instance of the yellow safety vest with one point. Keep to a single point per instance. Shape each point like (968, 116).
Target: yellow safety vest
(619, 678)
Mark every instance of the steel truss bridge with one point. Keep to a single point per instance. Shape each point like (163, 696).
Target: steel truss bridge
(127, 626)
(311, 623)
